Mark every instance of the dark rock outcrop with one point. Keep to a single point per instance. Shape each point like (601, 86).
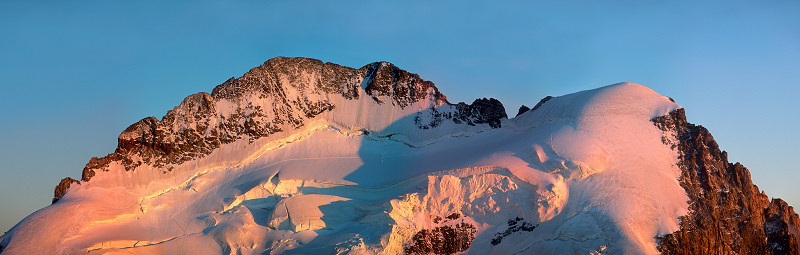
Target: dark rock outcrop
(481, 111)
(727, 213)
(293, 90)
(514, 225)
(523, 109)
(448, 238)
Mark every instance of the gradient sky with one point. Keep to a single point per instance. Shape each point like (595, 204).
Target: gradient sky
(74, 74)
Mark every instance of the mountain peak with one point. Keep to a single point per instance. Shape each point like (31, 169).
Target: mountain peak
(281, 95)
(380, 80)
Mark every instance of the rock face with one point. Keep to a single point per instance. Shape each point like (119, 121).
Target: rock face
(727, 212)
(298, 89)
(781, 227)
(62, 187)
(445, 239)
(523, 109)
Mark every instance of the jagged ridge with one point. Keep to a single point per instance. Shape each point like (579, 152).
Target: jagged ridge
(296, 89)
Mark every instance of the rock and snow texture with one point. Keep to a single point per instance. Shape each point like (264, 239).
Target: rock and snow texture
(303, 157)
(728, 214)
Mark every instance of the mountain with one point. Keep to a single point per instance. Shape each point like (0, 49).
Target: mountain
(298, 156)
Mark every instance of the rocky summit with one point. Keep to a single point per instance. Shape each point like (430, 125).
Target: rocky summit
(298, 156)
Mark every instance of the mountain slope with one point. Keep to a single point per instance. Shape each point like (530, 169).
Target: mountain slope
(301, 156)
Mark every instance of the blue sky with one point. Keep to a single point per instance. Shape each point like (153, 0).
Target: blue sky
(74, 74)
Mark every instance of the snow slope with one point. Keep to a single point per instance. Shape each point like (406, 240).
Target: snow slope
(583, 173)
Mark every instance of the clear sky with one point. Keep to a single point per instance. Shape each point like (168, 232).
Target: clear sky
(74, 74)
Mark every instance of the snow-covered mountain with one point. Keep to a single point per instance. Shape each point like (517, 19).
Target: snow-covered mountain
(298, 156)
